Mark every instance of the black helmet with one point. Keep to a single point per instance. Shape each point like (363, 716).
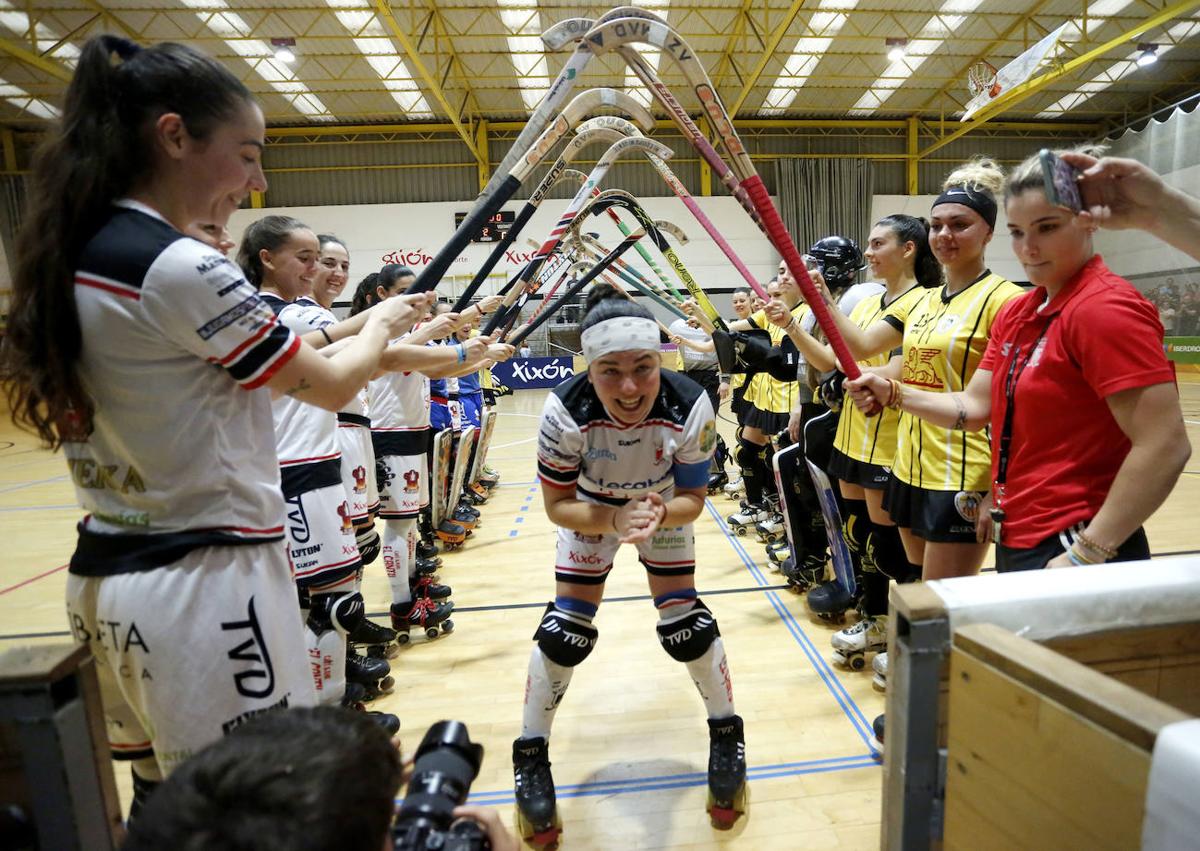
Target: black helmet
(838, 259)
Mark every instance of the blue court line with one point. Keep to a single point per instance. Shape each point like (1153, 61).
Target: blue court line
(823, 670)
(518, 519)
(31, 484)
(512, 533)
(691, 779)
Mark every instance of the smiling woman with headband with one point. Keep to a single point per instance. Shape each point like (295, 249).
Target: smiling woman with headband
(623, 454)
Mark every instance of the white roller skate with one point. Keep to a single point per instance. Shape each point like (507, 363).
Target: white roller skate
(880, 665)
(851, 644)
(734, 489)
(746, 518)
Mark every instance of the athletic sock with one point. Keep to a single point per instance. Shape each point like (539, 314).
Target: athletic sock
(547, 681)
(710, 672)
(399, 560)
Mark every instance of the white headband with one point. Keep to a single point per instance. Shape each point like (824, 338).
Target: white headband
(619, 334)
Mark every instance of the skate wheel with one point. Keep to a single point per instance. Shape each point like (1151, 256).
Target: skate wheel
(740, 531)
(431, 632)
(544, 840)
(730, 816)
(386, 686)
(857, 663)
(447, 626)
(402, 639)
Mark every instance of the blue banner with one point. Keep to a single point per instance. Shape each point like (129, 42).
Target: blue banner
(532, 373)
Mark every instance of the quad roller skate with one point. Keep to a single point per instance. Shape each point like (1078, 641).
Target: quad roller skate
(376, 639)
(830, 602)
(451, 535)
(745, 519)
(536, 813)
(772, 529)
(879, 665)
(475, 494)
(489, 478)
(428, 587)
(803, 574)
(851, 645)
(467, 508)
(734, 489)
(431, 616)
(373, 674)
(428, 567)
(466, 517)
(728, 794)
(717, 482)
(427, 549)
(877, 727)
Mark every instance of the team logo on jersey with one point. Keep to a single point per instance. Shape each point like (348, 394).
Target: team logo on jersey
(360, 478)
(257, 681)
(967, 504)
(658, 450)
(597, 453)
(297, 519)
(343, 511)
(918, 368)
(412, 481)
(708, 436)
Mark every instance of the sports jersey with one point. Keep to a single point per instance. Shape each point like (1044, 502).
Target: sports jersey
(305, 435)
(944, 340)
(178, 457)
(399, 403)
(872, 440)
(690, 358)
(763, 391)
(583, 448)
(1097, 337)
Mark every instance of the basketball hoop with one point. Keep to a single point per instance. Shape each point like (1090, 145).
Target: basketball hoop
(981, 79)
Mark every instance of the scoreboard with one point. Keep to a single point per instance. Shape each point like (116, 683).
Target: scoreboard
(493, 229)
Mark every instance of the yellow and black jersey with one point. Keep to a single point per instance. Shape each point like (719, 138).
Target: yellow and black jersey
(763, 391)
(944, 340)
(872, 440)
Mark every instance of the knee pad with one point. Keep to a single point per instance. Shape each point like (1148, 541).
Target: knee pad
(746, 454)
(369, 544)
(565, 640)
(689, 636)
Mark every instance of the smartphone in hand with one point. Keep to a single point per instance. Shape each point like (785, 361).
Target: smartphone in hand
(1061, 181)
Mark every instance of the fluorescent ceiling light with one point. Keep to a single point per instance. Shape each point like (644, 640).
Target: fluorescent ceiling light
(528, 55)
(372, 40)
(824, 24)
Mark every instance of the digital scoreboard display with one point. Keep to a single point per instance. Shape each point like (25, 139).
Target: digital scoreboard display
(493, 229)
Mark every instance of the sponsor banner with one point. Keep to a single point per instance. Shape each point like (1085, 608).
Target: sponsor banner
(532, 373)
(1183, 349)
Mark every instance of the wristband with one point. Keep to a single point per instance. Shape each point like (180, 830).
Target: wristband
(1077, 558)
(462, 352)
(1089, 544)
(895, 395)
(325, 334)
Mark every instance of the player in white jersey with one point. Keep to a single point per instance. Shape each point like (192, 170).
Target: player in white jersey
(400, 432)
(132, 346)
(279, 254)
(623, 454)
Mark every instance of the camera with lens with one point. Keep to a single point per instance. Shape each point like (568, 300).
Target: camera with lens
(447, 762)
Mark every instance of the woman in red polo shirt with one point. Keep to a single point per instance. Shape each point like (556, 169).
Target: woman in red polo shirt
(1087, 434)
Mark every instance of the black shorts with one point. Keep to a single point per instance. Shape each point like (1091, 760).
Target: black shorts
(1009, 559)
(768, 422)
(870, 476)
(941, 516)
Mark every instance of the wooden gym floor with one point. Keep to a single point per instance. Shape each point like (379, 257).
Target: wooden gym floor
(630, 744)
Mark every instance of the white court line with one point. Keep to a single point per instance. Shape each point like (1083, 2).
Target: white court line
(513, 443)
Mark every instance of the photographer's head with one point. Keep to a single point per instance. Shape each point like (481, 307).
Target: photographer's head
(298, 779)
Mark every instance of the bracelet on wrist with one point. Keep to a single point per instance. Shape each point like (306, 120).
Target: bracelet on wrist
(1090, 545)
(1077, 557)
(325, 334)
(895, 394)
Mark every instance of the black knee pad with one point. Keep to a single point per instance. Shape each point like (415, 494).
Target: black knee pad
(563, 640)
(746, 454)
(689, 637)
(369, 544)
(887, 553)
(856, 531)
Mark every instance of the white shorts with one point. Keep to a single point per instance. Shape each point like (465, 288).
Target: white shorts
(587, 559)
(187, 652)
(358, 471)
(321, 536)
(403, 486)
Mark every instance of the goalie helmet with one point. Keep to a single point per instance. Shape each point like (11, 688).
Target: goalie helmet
(838, 259)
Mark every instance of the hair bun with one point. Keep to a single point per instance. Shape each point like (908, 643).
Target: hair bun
(123, 47)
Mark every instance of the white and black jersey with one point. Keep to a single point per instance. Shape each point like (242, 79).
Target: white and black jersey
(399, 403)
(581, 447)
(178, 456)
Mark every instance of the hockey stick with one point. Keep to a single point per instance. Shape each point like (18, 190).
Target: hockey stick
(570, 118)
(601, 168)
(747, 185)
(578, 286)
(576, 268)
(629, 275)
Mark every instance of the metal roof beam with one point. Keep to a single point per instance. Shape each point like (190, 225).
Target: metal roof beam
(1030, 87)
(765, 57)
(34, 60)
(384, 10)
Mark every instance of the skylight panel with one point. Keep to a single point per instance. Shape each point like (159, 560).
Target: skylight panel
(23, 100)
(633, 85)
(528, 55)
(371, 39)
(824, 25)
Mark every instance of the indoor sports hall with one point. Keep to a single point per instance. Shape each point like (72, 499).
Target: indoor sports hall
(920, 377)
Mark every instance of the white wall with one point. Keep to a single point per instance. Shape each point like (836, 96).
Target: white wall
(412, 233)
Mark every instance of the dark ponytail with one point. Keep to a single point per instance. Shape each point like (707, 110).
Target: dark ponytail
(95, 154)
(364, 294)
(269, 232)
(926, 269)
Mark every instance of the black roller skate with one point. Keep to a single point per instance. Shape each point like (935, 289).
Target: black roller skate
(717, 482)
(470, 516)
(431, 616)
(376, 639)
(355, 694)
(451, 535)
(428, 550)
(830, 602)
(373, 674)
(745, 519)
(804, 574)
(425, 586)
(536, 812)
(428, 567)
(728, 794)
(877, 728)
